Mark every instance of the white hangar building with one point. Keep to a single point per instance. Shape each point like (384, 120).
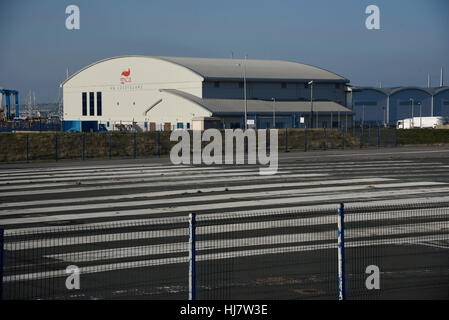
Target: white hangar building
(163, 93)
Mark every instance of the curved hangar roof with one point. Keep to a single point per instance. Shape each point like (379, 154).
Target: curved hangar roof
(232, 69)
(255, 69)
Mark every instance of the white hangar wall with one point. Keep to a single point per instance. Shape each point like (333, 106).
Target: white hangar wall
(125, 98)
(175, 110)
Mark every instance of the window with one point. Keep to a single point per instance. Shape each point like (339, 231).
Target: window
(180, 125)
(84, 103)
(188, 125)
(241, 85)
(91, 103)
(99, 111)
(284, 85)
(216, 84)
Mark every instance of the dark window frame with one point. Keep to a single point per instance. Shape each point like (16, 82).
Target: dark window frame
(99, 104)
(91, 103)
(84, 103)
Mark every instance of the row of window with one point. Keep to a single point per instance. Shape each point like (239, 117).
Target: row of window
(283, 85)
(91, 104)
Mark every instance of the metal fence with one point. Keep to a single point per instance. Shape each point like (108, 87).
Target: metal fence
(108, 145)
(30, 125)
(261, 254)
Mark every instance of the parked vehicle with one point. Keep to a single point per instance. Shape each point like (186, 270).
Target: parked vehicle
(421, 122)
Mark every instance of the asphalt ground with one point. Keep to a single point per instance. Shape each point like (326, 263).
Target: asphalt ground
(124, 223)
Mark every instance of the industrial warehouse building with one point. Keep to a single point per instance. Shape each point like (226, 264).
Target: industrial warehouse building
(388, 105)
(164, 93)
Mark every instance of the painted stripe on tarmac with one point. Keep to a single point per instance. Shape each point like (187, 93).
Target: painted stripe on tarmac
(206, 198)
(110, 185)
(178, 247)
(170, 171)
(226, 205)
(301, 211)
(195, 191)
(215, 256)
(214, 229)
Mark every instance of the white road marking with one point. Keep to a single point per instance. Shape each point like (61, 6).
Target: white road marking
(213, 256)
(279, 184)
(206, 198)
(226, 205)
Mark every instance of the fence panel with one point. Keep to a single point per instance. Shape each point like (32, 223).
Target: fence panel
(96, 145)
(407, 243)
(42, 146)
(144, 259)
(270, 254)
(13, 147)
(70, 145)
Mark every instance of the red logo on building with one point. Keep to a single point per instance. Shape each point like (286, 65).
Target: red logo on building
(125, 76)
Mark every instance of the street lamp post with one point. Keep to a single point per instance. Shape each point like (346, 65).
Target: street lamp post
(412, 101)
(244, 89)
(310, 83)
(274, 115)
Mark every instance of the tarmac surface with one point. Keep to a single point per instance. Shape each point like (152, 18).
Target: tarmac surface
(124, 224)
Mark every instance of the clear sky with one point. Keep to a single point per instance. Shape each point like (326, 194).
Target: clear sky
(36, 48)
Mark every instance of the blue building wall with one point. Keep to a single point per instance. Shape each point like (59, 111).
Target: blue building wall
(80, 126)
(401, 107)
(370, 105)
(441, 103)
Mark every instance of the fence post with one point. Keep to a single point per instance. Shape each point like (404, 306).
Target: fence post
(109, 139)
(84, 146)
(370, 138)
(378, 136)
(135, 146)
(361, 137)
(341, 254)
(342, 138)
(192, 257)
(2, 234)
(324, 145)
(159, 144)
(267, 137)
(56, 147)
(305, 139)
(286, 139)
(395, 137)
(27, 148)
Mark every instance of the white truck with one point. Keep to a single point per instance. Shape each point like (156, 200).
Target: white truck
(421, 122)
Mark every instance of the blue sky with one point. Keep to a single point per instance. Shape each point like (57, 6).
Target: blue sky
(36, 48)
